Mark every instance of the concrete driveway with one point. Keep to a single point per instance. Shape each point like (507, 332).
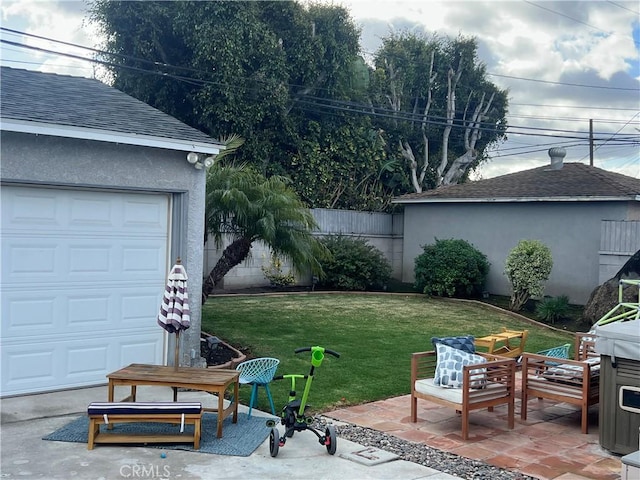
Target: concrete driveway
(26, 419)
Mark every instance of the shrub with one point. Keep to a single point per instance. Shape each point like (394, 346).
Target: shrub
(355, 265)
(527, 267)
(275, 274)
(452, 268)
(553, 308)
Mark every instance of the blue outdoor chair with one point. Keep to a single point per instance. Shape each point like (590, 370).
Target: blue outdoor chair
(258, 372)
(561, 351)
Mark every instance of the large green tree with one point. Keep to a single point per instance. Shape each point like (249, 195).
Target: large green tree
(267, 71)
(436, 106)
(243, 206)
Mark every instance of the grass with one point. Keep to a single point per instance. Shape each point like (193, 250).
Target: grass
(374, 333)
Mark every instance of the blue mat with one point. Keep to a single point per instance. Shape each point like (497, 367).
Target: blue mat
(239, 439)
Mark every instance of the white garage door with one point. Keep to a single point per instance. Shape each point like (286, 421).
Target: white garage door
(83, 274)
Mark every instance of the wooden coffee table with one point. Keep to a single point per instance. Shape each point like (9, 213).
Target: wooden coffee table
(212, 380)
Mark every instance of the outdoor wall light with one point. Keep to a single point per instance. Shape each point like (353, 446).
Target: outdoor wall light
(198, 162)
(192, 158)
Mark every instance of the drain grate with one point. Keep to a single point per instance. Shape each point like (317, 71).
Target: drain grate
(370, 456)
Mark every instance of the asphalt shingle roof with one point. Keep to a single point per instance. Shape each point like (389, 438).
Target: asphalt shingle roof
(48, 98)
(574, 180)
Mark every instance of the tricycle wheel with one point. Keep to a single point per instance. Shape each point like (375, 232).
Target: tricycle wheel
(274, 442)
(331, 441)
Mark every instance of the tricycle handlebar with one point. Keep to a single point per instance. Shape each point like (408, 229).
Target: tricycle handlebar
(326, 350)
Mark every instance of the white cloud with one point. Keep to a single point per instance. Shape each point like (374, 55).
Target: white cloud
(584, 42)
(57, 20)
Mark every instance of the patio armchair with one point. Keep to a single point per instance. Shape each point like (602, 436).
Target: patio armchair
(576, 382)
(483, 385)
(585, 346)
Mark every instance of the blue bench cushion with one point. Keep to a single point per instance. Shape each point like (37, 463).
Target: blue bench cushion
(152, 408)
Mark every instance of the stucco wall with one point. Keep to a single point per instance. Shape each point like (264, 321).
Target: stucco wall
(67, 162)
(570, 230)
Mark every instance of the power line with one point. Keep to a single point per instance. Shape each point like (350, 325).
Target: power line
(550, 82)
(433, 119)
(570, 106)
(160, 64)
(623, 7)
(617, 131)
(565, 16)
(352, 107)
(576, 20)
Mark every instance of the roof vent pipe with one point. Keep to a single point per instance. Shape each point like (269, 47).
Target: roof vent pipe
(557, 154)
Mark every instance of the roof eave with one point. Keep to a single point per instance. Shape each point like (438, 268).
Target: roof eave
(36, 128)
(591, 198)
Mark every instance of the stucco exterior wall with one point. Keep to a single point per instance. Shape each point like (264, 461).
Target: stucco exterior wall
(570, 230)
(64, 162)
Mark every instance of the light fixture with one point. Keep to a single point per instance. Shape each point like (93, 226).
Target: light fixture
(198, 162)
(192, 158)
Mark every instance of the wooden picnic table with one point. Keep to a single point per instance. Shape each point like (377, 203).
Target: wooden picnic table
(508, 343)
(212, 380)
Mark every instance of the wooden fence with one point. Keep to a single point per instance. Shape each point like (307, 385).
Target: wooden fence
(618, 241)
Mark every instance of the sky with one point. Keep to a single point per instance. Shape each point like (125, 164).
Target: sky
(564, 63)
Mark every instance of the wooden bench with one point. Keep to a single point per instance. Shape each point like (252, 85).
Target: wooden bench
(109, 413)
(497, 375)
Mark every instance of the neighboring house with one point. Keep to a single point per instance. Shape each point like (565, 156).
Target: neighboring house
(562, 205)
(98, 201)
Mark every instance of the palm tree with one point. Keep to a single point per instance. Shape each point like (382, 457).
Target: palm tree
(245, 206)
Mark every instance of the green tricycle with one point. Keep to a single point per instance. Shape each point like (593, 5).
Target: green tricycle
(294, 416)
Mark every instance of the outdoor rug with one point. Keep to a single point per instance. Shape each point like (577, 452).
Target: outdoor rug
(239, 439)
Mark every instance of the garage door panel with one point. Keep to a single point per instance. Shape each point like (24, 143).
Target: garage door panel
(139, 214)
(23, 258)
(20, 313)
(35, 367)
(83, 275)
(43, 209)
(32, 208)
(89, 311)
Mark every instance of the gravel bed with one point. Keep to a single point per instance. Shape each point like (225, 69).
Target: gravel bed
(421, 454)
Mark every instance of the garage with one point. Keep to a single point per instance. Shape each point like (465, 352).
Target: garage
(83, 272)
(100, 195)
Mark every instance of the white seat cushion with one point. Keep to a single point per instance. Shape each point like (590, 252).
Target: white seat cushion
(491, 391)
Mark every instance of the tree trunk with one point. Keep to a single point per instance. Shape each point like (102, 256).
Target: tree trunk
(233, 255)
(518, 299)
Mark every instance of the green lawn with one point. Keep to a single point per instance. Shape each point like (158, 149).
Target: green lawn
(375, 335)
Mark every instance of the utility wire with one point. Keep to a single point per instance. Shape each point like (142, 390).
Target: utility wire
(596, 149)
(102, 52)
(549, 82)
(565, 16)
(569, 106)
(623, 7)
(203, 82)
